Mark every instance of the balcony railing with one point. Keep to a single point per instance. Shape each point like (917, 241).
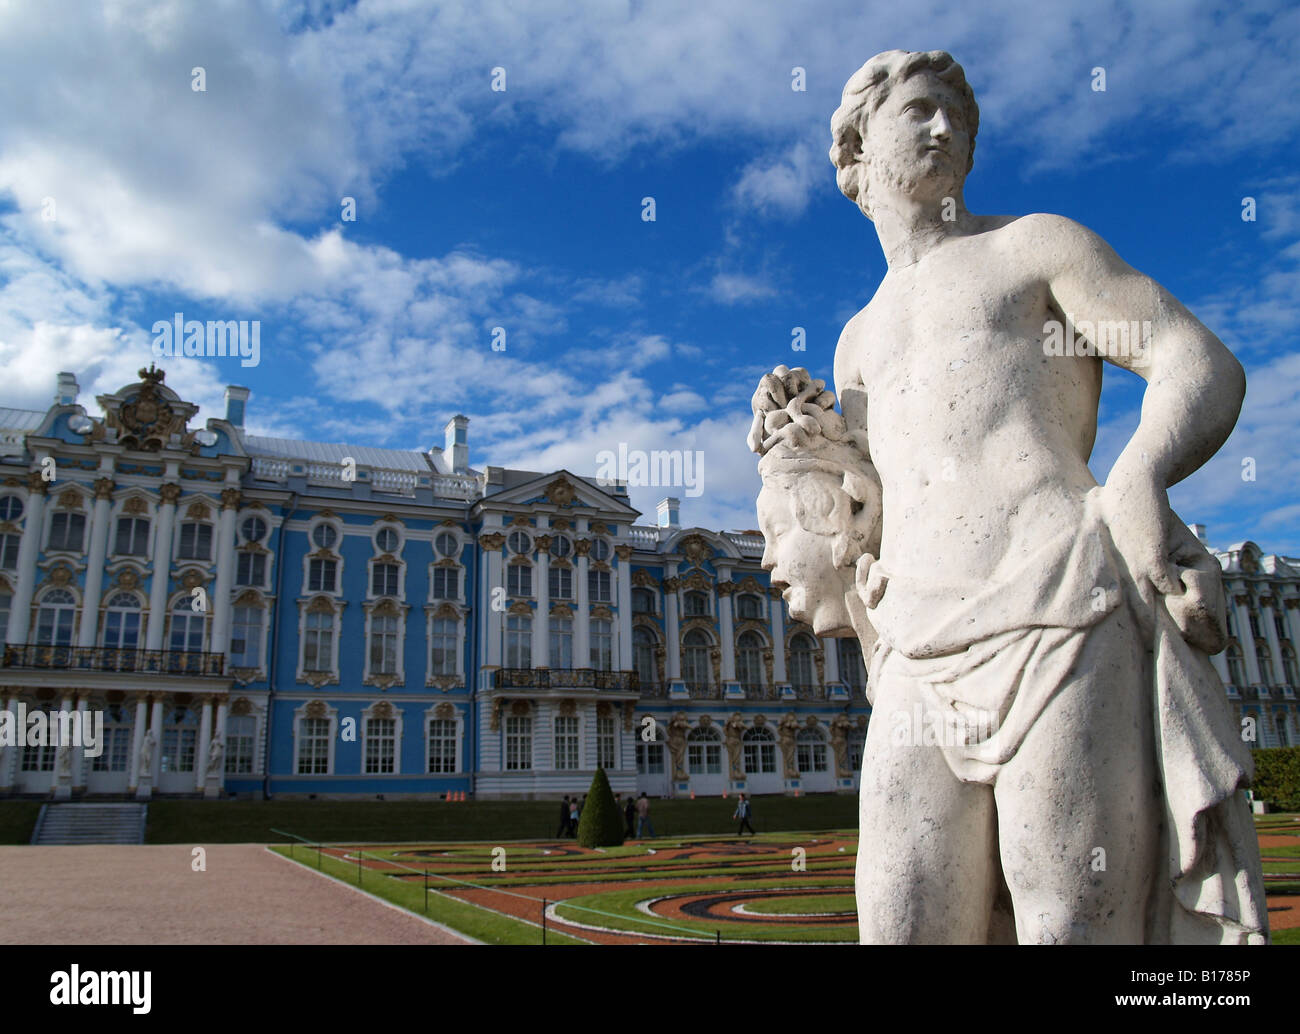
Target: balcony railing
(757, 691)
(563, 678)
(104, 658)
(704, 691)
(654, 690)
(810, 692)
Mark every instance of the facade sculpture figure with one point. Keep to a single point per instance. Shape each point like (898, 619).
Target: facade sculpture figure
(733, 735)
(787, 730)
(1084, 782)
(216, 756)
(841, 726)
(147, 745)
(678, 727)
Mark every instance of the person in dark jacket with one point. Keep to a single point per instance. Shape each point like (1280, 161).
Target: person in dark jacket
(564, 818)
(629, 813)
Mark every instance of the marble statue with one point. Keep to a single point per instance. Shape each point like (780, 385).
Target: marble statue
(1073, 774)
(147, 746)
(216, 755)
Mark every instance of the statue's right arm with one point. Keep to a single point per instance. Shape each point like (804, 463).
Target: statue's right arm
(849, 387)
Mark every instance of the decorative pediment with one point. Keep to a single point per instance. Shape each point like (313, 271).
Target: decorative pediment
(602, 614)
(750, 584)
(568, 708)
(135, 505)
(644, 579)
(561, 610)
(241, 707)
(146, 415)
(561, 493)
(520, 607)
(697, 580)
(695, 549)
(198, 510)
(315, 709)
(444, 711)
(69, 499)
(250, 598)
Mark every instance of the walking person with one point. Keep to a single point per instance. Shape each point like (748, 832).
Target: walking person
(643, 816)
(629, 816)
(564, 818)
(573, 816)
(742, 813)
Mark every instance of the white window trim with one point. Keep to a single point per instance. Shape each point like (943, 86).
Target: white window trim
(582, 741)
(52, 508)
(332, 715)
(385, 558)
(459, 598)
(397, 721)
(430, 714)
(179, 523)
(397, 678)
(431, 614)
(319, 678)
(265, 609)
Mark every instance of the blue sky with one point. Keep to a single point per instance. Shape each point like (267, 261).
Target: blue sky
(522, 209)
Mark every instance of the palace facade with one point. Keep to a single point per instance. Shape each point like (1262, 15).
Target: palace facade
(257, 616)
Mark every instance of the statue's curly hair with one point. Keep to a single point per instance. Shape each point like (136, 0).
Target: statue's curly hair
(863, 94)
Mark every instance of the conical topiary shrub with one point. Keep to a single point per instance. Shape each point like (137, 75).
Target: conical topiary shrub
(601, 823)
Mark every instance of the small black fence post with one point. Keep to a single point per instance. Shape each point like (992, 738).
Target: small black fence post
(358, 866)
(318, 856)
(426, 891)
(543, 922)
(719, 936)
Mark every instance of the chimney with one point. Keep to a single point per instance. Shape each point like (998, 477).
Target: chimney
(456, 448)
(235, 399)
(670, 512)
(66, 390)
(1199, 531)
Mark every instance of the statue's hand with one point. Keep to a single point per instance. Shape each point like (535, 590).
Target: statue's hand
(1136, 510)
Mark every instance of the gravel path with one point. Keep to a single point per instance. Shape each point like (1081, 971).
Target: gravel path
(114, 894)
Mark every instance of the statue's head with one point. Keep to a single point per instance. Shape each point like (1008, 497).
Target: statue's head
(907, 120)
(820, 505)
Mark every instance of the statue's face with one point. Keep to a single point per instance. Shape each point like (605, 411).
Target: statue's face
(800, 560)
(918, 142)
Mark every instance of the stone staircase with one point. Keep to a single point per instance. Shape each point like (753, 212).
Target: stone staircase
(90, 824)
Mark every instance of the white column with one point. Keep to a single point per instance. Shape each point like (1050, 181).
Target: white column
(1276, 676)
(8, 754)
(728, 627)
(79, 759)
(778, 640)
(20, 616)
(162, 566)
(495, 617)
(672, 625)
(582, 622)
(623, 656)
(831, 656)
(156, 724)
(205, 734)
(225, 572)
(1292, 607)
(1247, 639)
(95, 562)
(542, 619)
(137, 741)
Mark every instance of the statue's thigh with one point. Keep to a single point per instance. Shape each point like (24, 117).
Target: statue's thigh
(1078, 807)
(926, 870)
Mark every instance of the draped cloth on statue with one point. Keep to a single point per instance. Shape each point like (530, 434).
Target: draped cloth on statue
(991, 657)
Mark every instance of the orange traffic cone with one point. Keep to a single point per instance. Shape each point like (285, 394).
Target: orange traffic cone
(724, 795)
(796, 793)
(692, 795)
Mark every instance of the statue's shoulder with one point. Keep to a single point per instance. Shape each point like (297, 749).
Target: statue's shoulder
(1043, 233)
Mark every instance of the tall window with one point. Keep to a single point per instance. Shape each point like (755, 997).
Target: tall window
(749, 661)
(695, 659)
(801, 661)
(55, 618)
(760, 751)
(9, 543)
(649, 758)
(383, 644)
(39, 758)
(179, 743)
(566, 742)
(643, 652)
(598, 586)
(322, 575)
(446, 583)
(1236, 670)
(318, 642)
(1288, 665)
(519, 642)
(381, 745)
(696, 605)
(246, 638)
(607, 742)
(122, 622)
(250, 569)
(115, 747)
(196, 541)
(749, 608)
(643, 601)
(442, 745)
(810, 751)
(704, 751)
(1265, 658)
(383, 580)
(852, 671)
(560, 583)
(857, 740)
(132, 536)
(314, 746)
(6, 604)
(561, 646)
(443, 659)
(602, 645)
(519, 743)
(240, 733)
(519, 580)
(67, 531)
(187, 627)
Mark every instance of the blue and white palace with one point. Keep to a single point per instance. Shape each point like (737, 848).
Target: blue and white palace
(263, 616)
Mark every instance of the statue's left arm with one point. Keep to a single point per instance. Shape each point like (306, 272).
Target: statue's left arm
(1194, 391)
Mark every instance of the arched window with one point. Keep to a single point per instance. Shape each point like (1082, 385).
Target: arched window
(643, 652)
(599, 550)
(11, 508)
(253, 529)
(519, 542)
(324, 536)
(749, 608)
(561, 546)
(643, 601)
(444, 647)
(801, 661)
(519, 642)
(1236, 671)
(704, 751)
(386, 540)
(760, 751)
(602, 645)
(810, 751)
(561, 645)
(749, 661)
(852, 672)
(122, 622)
(55, 618)
(696, 604)
(695, 659)
(447, 544)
